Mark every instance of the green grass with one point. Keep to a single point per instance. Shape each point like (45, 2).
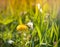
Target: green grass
(45, 32)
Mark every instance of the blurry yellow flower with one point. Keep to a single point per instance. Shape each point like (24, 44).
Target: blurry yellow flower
(21, 27)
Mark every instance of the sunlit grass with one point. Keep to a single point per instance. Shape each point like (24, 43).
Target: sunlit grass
(29, 24)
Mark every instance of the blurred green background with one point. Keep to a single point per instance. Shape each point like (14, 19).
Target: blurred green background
(43, 17)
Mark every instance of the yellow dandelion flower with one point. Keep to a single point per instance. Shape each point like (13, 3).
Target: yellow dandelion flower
(21, 27)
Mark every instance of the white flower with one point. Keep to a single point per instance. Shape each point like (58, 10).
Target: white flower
(10, 41)
(41, 10)
(38, 5)
(30, 24)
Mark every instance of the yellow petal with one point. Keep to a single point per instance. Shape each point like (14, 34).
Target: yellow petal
(21, 27)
